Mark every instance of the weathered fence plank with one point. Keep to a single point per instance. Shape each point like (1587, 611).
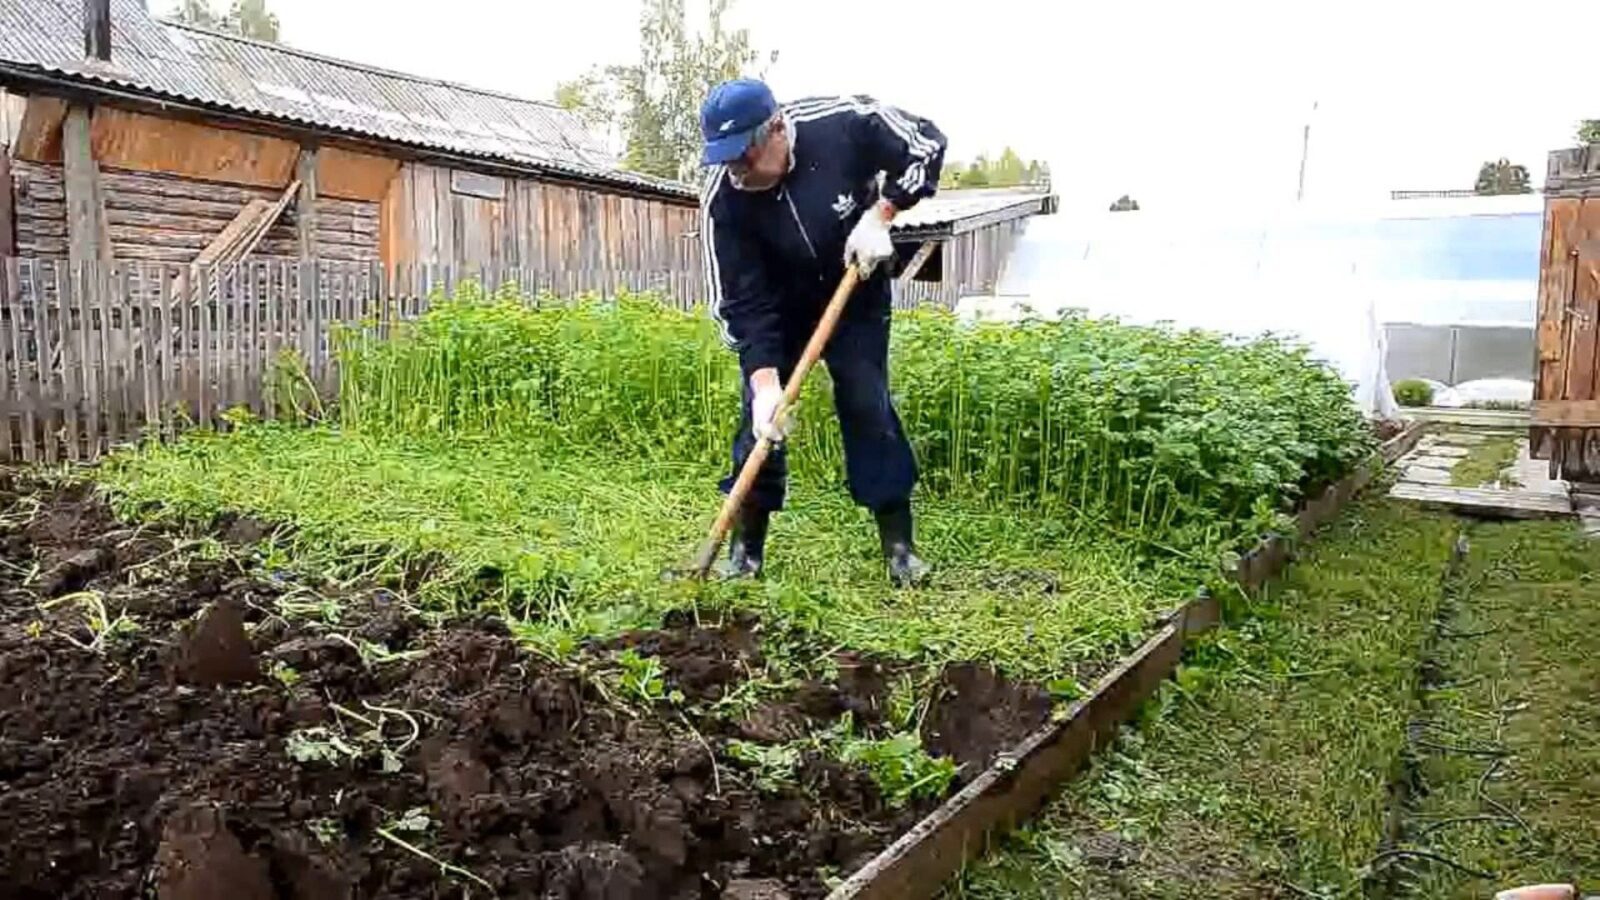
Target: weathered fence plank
(102, 353)
(10, 384)
(36, 440)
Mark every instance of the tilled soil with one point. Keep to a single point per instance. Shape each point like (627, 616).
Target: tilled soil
(180, 724)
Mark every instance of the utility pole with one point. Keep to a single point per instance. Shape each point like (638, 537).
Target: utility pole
(1305, 150)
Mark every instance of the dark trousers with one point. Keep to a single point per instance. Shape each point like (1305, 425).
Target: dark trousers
(879, 466)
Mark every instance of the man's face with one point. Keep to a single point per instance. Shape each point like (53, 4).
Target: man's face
(767, 160)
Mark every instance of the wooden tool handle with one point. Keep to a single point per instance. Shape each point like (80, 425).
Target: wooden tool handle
(707, 555)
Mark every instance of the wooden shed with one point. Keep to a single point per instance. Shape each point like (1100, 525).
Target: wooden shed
(130, 138)
(957, 242)
(1566, 405)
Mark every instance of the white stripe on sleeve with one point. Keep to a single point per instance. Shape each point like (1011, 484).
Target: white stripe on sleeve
(708, 243)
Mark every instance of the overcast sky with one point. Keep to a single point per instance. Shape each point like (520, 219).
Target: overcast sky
(1182, 104)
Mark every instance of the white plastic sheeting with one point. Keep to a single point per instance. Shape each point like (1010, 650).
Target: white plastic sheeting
(1326, 276)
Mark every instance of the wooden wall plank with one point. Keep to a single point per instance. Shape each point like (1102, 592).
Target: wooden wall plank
(38, 136)
(445, 218)
(8, 235)
(1566, 413)
(1555, 292)
(307, 170)
(162, 217)
(128, 140)
(12, 108)
(44, 368)
(354, 176)
(538, 233)
(84, 214)
(425, 211)
(13, 368)
(396, 243)
(148, 382)
(1581, 357)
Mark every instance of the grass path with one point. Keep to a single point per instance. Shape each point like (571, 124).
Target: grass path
(1267, 769)
(1509, 776)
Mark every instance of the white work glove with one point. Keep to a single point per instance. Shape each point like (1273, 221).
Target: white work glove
(869, 243)
(763, 420)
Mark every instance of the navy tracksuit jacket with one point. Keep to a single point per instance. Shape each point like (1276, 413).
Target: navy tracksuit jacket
(774, 258)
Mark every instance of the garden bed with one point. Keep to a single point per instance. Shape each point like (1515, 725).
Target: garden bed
(180, 713)
(492, 480)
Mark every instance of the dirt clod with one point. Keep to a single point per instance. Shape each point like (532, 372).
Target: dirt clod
(979, 713)
(73, 572)
(200, 859)
(216, 650)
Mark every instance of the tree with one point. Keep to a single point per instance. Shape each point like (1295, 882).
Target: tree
(1125, 204)
(196, 12)
(246, 18)
(1008, 171)
(1501, 177)
(976, 174)
(252, 19)
(1589, 131)
(592, 99)
(652, 107)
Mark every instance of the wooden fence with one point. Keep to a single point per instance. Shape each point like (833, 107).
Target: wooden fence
(101, 354)
(105, 353)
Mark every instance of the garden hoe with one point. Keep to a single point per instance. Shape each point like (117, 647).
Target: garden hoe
(707, 555)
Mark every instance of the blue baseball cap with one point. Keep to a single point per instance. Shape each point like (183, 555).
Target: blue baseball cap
(730, 116)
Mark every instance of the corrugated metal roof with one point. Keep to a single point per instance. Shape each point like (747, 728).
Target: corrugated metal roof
(272, 81)
(950, 207)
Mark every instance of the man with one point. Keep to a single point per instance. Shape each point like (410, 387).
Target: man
(793, 194)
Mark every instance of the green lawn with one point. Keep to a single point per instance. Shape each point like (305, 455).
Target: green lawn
(1510, 775)
(578, 542)
(1271, 768)
(1264, 771)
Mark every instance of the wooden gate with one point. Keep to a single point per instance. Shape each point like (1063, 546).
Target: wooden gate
(1566, 397)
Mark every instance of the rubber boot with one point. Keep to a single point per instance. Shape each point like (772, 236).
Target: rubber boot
(747, 547)
(899, 549)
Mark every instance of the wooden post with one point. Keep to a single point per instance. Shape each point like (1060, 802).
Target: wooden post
(305, 209)
(8, 237)
(86, 218)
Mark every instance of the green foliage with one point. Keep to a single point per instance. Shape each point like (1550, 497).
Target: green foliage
(290, 389)
(1589, 131)
(902, 769)
(568, 544)
(1501, 177)
(320, 744)
(644, 680)
(284, 674)
(327, 831)
(1174, 435)
(1009, 170)
(1486, 463)
(772, 766)
(415, 820)
(653, 105)
(550, 461)
(1413, 392)
(246, 18)
(898, 764)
